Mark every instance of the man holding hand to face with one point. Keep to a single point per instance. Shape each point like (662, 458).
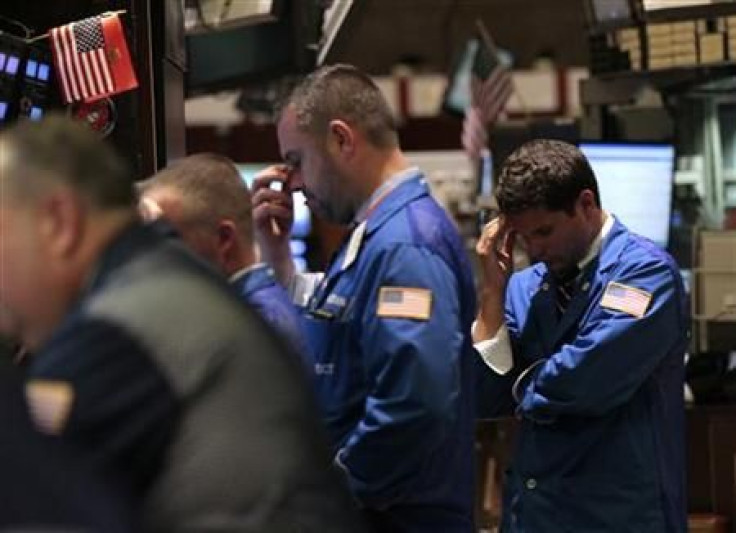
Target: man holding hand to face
(390, 320)
(587, 347)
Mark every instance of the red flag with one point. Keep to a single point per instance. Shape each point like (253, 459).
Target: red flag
(92, 59)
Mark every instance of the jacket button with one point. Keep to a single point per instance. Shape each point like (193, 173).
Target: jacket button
(531, 483)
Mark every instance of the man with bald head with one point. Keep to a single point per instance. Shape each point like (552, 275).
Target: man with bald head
(144, 360)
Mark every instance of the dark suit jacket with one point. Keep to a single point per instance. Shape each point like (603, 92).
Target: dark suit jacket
(43, 486)
(183, 393)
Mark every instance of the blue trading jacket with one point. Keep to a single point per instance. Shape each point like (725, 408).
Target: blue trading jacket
(601, 446)
(396, 393)
(261, 290)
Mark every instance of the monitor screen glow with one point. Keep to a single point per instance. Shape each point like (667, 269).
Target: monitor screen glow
(635, 183)
(611, 10)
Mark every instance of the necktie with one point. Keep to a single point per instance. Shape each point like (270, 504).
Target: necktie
(564, 290)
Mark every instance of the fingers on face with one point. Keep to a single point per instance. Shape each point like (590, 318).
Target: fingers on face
(275, 173)
(488, 240)
(509, 239)
(266, 210)
(271, 194)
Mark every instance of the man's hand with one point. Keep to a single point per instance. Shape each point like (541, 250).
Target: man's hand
(495, 251)
(273, 215)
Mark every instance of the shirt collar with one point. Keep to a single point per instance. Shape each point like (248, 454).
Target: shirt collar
(243, 271)
(386, 187)
(595, 246)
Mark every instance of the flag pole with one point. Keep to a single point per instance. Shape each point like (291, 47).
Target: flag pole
(488, 41)
(46, 35)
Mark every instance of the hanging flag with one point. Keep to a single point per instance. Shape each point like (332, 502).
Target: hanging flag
(474, 136)
(490, 85)
(491, 94)
(490, 90)
(92, 59)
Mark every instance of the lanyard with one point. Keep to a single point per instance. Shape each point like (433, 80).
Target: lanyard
(359, 225)
(381, 192)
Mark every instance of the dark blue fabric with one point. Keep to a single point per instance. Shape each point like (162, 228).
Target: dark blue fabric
(43, 485)
(124, 411)
(601, 446)
(261, 290)
(397, 393)
(181, 391)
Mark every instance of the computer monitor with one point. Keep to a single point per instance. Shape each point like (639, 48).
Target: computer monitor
(611, 11)
(302, 226)
(635, 183)
(255, 53)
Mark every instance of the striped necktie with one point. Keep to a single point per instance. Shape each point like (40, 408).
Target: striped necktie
(565, 289)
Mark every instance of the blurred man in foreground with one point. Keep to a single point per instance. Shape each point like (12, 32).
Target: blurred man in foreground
(144, 360)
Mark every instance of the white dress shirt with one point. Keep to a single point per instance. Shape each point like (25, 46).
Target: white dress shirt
(496, 351)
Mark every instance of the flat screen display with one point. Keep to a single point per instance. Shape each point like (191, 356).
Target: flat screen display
(635, 183)
(611, 10)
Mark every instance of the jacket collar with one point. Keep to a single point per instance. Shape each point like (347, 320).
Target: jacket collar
(411, 187)
(611, 247)
(253, 278)
(124, 247)
(553, 329)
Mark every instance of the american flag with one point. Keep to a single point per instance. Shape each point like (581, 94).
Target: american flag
(627, 299)
(488, 98)
(491, 94)
(82, 66)
(404, 302)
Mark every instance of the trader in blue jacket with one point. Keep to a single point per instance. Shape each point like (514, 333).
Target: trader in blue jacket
(204, 198)
(588, 351)
(390, 320)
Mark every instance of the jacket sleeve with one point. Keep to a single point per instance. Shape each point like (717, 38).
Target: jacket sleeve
(493, 390)
(413, 366)
(113, 379)
(613, 352)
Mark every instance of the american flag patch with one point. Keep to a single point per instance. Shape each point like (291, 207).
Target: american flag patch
(404, 302)
(50, 404)
(627, 299)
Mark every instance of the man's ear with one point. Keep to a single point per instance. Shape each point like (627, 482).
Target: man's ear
(61, 215)
(227, 241)
(342, 137)
(586, 201)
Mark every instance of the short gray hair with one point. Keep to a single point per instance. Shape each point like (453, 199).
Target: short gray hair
(342, 92)
(62, 150)
(210, 187)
